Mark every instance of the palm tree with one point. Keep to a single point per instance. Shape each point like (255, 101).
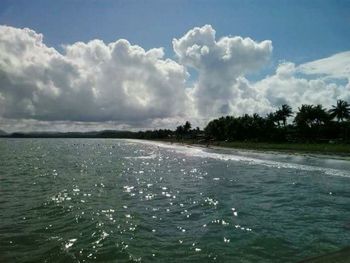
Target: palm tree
(283, 113)
(179, 132)
(320, 115)
(310, 115)
(303, 116)
(341, 111)
(272, 118)
(187, 127)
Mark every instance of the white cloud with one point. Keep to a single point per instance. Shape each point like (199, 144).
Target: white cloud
(285, 86)
(220, 65)
(336, 66)
(89, 82)
(96, 85)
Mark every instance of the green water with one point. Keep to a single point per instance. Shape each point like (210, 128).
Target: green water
(84, 200)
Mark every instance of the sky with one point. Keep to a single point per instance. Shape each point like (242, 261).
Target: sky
(92, 65)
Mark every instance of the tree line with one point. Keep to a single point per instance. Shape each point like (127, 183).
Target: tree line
(311, 123)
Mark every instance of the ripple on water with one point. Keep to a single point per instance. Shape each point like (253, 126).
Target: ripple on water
(110, 200)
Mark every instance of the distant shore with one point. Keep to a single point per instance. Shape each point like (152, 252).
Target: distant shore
(324, 149)
(341, 150)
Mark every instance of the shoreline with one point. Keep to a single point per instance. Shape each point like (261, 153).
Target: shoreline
(320, 150)
(256, 148)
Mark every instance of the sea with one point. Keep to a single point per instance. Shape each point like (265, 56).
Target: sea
(111, 200)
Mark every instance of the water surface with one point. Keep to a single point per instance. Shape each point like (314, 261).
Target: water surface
(104, 200)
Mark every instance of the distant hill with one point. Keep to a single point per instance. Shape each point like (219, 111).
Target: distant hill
(2, 133)
(94, 134)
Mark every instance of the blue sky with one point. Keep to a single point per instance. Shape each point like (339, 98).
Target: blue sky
(300, 30)
(98, 86)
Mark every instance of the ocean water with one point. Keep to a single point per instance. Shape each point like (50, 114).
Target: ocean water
(104, 200)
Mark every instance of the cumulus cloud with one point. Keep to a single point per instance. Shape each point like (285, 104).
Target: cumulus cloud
(95, 85)
(220, 65)
(286, 86)
(90, 81)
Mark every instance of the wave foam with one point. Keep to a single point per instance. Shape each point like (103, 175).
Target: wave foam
(204, 153)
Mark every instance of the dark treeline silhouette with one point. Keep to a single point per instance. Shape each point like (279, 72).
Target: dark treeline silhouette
(310, 123)
(155, 134)
(185, 132)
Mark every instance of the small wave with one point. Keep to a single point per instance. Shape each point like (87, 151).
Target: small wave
(269, 163)
(152, 156)
(204, 153)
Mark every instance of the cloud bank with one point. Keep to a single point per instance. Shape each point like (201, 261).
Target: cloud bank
(123, 85)
(89, 82)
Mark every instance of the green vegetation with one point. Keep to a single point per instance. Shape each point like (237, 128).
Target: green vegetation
(313, 129)
(312, 124)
